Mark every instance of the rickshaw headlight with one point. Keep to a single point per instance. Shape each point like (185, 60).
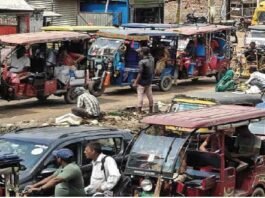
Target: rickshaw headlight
(99, 66)
(146, 185)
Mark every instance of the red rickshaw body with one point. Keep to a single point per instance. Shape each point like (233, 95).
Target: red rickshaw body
(213, 177)
(210, 63)
(40, 84)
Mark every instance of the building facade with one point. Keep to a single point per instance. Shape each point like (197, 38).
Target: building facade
(199, 7)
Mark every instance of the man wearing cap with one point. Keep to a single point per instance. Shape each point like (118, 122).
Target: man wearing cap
(143, 81)
(67, 179)
(87, 104)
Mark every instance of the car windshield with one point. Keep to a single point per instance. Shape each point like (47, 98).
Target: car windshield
(155, 153)
(104, 47)
(29, 152)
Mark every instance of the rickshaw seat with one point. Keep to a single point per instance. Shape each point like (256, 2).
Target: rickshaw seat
(201, 159)
(199, 174)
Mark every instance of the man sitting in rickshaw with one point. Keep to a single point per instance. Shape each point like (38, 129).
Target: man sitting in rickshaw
(20, 63)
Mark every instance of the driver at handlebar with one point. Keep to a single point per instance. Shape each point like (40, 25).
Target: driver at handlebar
(67, 179)
(70, 59)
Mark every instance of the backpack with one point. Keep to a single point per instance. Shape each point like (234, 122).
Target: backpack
(122, 185)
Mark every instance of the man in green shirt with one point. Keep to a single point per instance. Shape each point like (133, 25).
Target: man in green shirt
(67, 179)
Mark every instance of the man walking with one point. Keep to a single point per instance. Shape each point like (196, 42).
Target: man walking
(105, 173)
(67, 180)
(143, 81)
(87, 104)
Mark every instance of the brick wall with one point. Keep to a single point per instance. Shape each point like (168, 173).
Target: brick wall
(187, 6)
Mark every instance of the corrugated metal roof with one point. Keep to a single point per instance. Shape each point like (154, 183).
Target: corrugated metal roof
(15, 5)
(206, 117)
(40, 37)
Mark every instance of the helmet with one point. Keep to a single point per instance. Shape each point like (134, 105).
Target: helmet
(79, 90)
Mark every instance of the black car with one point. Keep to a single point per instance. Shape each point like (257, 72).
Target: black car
(35, 147)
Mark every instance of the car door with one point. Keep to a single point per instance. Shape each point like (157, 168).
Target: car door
(111, 146)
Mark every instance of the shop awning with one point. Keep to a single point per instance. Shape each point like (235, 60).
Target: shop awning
(15, 5)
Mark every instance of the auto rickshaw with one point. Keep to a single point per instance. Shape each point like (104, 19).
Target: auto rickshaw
(196, 101)
(114, 57)
(203, 50)
(43, 75)
(167, 161)
(84, 29)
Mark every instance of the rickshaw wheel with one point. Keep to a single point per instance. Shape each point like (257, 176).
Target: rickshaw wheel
(94, 90)
(166, 83)
(194, 80)
(70, 97)
(258, 192)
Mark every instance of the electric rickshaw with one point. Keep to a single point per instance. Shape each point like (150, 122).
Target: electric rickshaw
(114, 57)
(169, 148)
(43, 75)
(203, 50)
(84, 29)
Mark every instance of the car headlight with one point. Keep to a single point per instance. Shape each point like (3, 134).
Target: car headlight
(146, 185)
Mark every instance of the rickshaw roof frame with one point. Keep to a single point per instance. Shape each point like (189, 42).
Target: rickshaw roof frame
(89, 29)
(134, 34)
(150, 25)
(257, 27)
(207, 117)
(41, 37)
(195, 30)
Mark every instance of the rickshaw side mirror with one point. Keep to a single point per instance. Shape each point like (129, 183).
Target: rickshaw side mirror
(46, 172)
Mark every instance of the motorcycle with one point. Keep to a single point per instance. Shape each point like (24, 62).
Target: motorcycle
(192, 19)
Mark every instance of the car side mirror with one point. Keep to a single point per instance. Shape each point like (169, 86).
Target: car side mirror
(46, 172)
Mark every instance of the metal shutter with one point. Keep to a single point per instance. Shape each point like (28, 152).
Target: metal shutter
(68, 9)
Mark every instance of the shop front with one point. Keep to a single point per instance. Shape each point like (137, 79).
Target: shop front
(146, 11)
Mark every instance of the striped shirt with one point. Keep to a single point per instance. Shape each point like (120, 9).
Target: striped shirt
(89, 103)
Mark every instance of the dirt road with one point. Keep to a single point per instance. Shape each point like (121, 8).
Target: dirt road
(115, 98)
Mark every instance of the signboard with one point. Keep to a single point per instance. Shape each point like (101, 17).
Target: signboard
(8, 20)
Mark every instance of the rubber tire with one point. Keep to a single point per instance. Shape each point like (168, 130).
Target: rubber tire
(95, 92)
(68, 96)
(258, 192)
(168, 80)
(42, 99)
(194, 80)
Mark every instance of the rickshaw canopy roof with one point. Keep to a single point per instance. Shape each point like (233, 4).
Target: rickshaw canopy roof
(150, 25)
(206, 117)
(257, 27)
(76, 28)
(41, 37)
(134, 34)
(194, 30)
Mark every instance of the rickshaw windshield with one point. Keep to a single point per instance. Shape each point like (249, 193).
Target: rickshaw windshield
(155, 153)
(104, 47)
(177, 107)
(6, 52)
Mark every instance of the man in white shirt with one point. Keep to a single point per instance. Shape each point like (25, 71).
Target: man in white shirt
(19, 61)
(105, 173)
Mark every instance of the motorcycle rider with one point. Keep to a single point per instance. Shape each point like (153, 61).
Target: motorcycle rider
(250, 53)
